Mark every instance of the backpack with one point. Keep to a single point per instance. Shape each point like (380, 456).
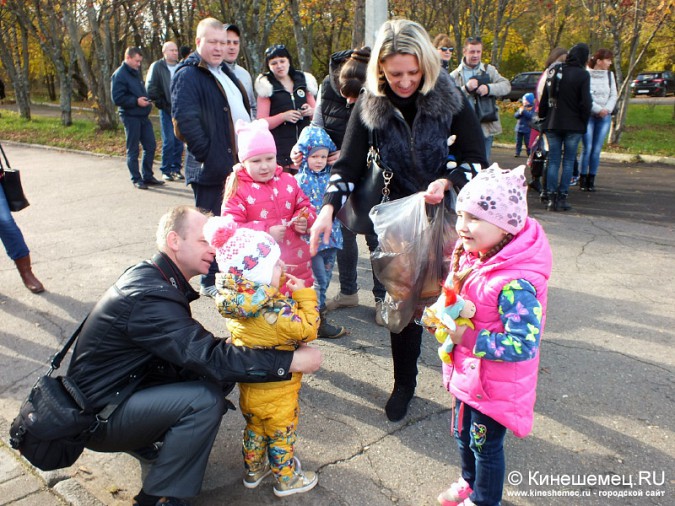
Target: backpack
(553, 76)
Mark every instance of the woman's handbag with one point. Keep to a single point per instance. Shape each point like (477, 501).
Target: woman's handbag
(486, 108)
(371, 190)
(56, 421)
(11, 185)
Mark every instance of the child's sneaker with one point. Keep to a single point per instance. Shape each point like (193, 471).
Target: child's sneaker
(301, 482)
(456, 494)
(253, 478)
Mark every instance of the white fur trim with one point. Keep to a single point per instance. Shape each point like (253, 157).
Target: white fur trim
(312, 85)
(263, 87)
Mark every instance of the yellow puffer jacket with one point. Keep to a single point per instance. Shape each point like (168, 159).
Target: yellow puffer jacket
(261, 317)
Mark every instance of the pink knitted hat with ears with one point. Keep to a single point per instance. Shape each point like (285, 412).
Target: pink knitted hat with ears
(254, 139)
(497, 196)
(250, 254)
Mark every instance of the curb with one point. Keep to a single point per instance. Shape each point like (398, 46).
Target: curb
(48, 488)
(617, 157)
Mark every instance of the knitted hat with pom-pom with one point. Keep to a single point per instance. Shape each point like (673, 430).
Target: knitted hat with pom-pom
(242, 252)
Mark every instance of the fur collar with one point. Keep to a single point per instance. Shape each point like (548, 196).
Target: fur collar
(265, 88)
(444, 100)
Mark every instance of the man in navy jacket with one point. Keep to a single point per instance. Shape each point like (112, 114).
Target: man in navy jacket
(206, 100)
(129, 94)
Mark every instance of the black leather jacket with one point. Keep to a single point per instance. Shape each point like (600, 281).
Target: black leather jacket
(143, 325)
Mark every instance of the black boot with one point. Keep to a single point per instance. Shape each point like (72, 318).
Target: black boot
(405, 350)
(590, 184)
(329, 331)
(552, 204)
(397, 405)
(561, 204)
(543, 196)
(583, 182)
(535, 185)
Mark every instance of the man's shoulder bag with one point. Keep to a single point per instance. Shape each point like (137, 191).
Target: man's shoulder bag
(372, 189)
(56, 421)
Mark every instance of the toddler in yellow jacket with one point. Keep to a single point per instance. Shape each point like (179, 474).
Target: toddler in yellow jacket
(259, 316)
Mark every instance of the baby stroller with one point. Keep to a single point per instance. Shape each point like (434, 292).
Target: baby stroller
(537, 164)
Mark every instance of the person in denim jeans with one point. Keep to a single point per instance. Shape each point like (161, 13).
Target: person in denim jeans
(603, 91)
(130, 96)
(566, 105)
(15, 245)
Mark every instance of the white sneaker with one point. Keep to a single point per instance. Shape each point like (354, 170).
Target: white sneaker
(378, 313)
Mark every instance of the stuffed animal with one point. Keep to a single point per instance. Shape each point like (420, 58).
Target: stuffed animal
(443, 317)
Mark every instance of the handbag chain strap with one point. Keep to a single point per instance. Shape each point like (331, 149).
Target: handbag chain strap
(374, 158)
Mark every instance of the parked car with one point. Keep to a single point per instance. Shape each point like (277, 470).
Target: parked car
(654, 83)
(525, 82)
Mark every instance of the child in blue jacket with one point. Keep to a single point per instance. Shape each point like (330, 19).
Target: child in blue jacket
(524, 116)
(315, 145)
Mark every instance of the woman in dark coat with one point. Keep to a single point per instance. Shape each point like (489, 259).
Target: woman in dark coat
(412, 108)
(566, 104)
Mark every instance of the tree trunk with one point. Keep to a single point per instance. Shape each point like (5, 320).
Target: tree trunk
(12, 62)
(359, 27)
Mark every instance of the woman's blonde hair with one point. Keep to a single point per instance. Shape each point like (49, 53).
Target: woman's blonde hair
(402, 36)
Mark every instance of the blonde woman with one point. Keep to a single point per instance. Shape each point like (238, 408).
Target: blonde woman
(412, 108)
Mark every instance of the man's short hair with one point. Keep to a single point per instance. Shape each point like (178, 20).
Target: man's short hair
(174, 220)
(206, 23)
(132, 51)
(185, 51)
(167, 44)
(473, 41)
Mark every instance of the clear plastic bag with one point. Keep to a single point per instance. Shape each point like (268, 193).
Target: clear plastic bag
(412, 257)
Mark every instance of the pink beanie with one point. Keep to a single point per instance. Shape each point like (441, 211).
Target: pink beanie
(254, 139)
(250, 254)
(497, 196)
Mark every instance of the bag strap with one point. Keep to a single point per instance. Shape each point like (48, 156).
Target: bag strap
(120, 397)
(4, 155)
(58, 357)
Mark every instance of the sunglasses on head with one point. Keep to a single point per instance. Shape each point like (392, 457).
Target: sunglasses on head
(474, 39)
(273, 49)
(446, 48)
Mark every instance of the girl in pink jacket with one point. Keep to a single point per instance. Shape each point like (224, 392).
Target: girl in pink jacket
(502, 262)
(260, 196)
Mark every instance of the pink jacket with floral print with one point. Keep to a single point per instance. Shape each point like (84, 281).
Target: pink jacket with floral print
(261, 205)
(505, 391)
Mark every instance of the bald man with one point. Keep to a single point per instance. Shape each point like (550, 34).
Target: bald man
(159, 90)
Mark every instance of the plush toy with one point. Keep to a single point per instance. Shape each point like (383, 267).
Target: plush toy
(443, 317)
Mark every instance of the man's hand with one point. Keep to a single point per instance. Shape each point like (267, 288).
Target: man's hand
(471, 85)
(306, 359)
(144, 102)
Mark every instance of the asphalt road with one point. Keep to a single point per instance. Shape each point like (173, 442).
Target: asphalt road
(603, 432)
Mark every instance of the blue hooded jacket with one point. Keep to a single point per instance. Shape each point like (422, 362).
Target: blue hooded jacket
(314, 183)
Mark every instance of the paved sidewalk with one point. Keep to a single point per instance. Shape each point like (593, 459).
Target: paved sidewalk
(604, 414)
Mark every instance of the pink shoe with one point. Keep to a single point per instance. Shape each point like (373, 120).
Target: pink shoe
(456, 494)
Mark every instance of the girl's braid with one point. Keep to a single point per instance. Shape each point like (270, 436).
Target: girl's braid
(458, 278)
